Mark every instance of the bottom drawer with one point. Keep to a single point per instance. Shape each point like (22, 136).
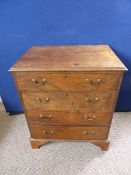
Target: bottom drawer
(68, 132)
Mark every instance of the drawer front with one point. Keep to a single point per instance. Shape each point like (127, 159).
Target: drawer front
(61, 101)
(68, 132)
(68, 118)
(66, 81)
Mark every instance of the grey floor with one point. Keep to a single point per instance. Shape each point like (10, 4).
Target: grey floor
(63, 158)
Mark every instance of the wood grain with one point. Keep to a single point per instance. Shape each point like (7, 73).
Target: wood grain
(68, 81)
(60, 100)
(69, 58)
(68, 132)
(62, 88)
(37, 143)
(68, 118)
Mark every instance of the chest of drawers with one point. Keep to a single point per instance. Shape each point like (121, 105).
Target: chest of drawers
(69, 92)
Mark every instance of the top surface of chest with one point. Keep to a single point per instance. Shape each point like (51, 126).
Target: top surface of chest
(69, 58)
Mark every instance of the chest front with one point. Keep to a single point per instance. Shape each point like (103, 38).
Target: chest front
(69, 92)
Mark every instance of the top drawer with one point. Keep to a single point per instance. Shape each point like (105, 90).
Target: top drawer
(66, 81)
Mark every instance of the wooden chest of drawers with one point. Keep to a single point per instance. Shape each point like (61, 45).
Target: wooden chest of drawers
(69, 92)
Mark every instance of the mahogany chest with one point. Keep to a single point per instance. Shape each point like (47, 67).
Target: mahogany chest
(69, 92)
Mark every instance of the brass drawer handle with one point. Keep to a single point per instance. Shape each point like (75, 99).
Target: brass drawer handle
(91, 133)
(90, 118)
(38, 99)
(34, 81)
(96, 99)
(47, 99)
(46, 117)
(88, 100)
(97, 82)
(48, 132)
(44, 81)
(89, 81)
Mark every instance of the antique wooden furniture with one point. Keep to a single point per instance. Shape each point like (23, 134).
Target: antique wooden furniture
(69, 92)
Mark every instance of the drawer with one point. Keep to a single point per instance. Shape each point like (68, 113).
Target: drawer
(66, 81)
(68, 118)
(61, 101)
(68, 132)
